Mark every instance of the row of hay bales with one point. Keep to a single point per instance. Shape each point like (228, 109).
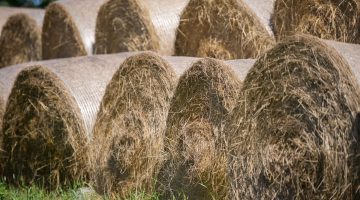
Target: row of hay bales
(189, 127)
(223, 29)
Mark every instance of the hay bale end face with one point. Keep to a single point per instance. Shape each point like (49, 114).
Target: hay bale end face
(130, 125)
(7, 79)
(69, 28)
(327, 19)
(6, 12)
(194, 146)
(124, 25)
(221, 29)
(20, 40)
(290, 133)
(44, 135)
(49, 118)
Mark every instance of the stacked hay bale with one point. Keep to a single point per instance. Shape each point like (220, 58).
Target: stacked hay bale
(48, 119)
(225, 29)
(196, 166)
(69, 28)
(6, 12)
(127, 25)
(328, 19)
(291, 133)
(7, 78)
(20, 39)
(129, 130)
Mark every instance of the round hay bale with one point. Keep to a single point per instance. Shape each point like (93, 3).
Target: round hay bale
(20, 40)
(69, 28)
(49, 117)
(291, 134)
(196, 166)
(327, 19)
(7, 78)
(138, 25)
(129, 130)
(6, 12)
(225, 29)
(20, 35)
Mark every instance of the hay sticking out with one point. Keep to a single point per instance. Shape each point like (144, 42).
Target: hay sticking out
(49, 117)
(213, 49)
(327, 19)
(6, 12)
(20, 40)
(44, 135)
(69, 28)
(128, 134)
(290, 133)
(195, 148)
(128, 25)
(7, 78)
(223, 29)
(124, 25)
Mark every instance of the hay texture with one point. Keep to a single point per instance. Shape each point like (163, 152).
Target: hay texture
(20, 39)
(225, 29)
(291, 133)
(49, 117)
(6, 12)
(196, 161)
(69, 28)
(327, 19)
(129, 130)
(7, 78)
(138, 25)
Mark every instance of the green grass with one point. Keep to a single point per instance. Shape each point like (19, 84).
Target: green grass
(35, 193)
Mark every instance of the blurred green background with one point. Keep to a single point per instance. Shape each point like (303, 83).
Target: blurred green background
(25, 3)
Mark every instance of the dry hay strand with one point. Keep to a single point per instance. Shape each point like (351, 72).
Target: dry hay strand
(291, 133)
(138, 25)
(196, 162)
(7, 78)
(129, 129)
(69, 28)
(224, 29)
(44, 141)
(6, 12)
(48, 119)
(20, 40)
(327, 19)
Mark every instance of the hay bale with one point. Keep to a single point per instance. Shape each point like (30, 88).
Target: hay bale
(138, 25)
(20, 39)
(49, 117)
(7, 78)
(6, 12)
(196, 166)
(291, 134)
(69, 28)
(129, 130)
(327, 19)
(225, 29)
